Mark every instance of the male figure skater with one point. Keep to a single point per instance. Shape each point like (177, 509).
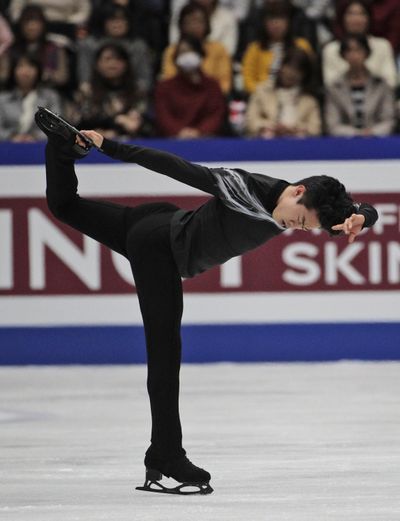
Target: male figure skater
(164, 243)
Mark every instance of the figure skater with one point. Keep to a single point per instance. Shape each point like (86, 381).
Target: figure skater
(164, 243)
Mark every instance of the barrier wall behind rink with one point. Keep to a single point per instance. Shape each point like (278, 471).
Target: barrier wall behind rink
(302, 296)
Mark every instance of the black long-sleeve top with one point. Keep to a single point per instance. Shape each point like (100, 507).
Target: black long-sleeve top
(237, 219)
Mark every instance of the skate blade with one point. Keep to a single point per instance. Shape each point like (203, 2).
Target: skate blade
(185, 489)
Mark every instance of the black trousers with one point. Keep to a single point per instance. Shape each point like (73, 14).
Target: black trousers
(142, 235)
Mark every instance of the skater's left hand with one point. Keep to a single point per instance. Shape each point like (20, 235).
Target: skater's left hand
(352, 226)
(91, 134)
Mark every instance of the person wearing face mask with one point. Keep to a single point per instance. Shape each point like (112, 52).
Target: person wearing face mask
(191, 104)
(194, 22)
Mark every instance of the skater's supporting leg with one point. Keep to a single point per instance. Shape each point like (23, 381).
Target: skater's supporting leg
(159, 288)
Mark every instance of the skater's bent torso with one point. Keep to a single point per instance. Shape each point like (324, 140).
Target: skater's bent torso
(213, 233)
(237, 219)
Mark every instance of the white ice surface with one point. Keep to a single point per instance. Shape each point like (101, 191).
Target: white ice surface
(286, 442)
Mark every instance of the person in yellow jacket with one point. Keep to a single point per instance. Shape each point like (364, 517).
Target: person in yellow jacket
(194, 22)
(263, 57)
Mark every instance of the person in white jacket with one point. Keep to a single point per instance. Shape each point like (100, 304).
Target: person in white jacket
(355, 18)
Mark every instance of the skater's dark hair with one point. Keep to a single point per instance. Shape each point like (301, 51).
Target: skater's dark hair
(329, 198)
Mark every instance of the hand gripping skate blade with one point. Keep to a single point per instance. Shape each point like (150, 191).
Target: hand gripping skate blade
(49, 120)
(152, 484)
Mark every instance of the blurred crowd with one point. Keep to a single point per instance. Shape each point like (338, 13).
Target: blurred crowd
(201, 68)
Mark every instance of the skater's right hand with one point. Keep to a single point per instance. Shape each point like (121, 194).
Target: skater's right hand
(91, 134)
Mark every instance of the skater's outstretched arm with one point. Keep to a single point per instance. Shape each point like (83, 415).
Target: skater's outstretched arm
(162, 162)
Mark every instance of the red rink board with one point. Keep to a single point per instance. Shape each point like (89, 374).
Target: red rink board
(297, 261)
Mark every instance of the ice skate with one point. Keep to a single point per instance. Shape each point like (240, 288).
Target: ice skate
(54, 126)
(194, 480)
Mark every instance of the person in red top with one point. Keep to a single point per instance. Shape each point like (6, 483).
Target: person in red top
(386, 21)
(191, 104)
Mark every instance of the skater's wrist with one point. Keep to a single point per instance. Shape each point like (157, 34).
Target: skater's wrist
(109, 147)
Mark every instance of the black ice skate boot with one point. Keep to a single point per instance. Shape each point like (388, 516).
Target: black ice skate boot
(62, 133)
(194, 480)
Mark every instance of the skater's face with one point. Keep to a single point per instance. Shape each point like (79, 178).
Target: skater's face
(290, 214)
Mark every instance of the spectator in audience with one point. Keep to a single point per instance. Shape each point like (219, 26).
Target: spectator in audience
(115, 26)
(354, 17)
(287, 108)
(194, 21)
(150, 20)
(31, 36)
(6, 35)
(64, 16)
(240, 8)
(19, 104)
(358, 103)
(223, 25)
(262, 58)
(111, 103)
(95, 24)
(191, 104)
(301, 25)
(319, 14)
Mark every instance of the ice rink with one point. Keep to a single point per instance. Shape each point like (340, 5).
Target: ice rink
(283, 442)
